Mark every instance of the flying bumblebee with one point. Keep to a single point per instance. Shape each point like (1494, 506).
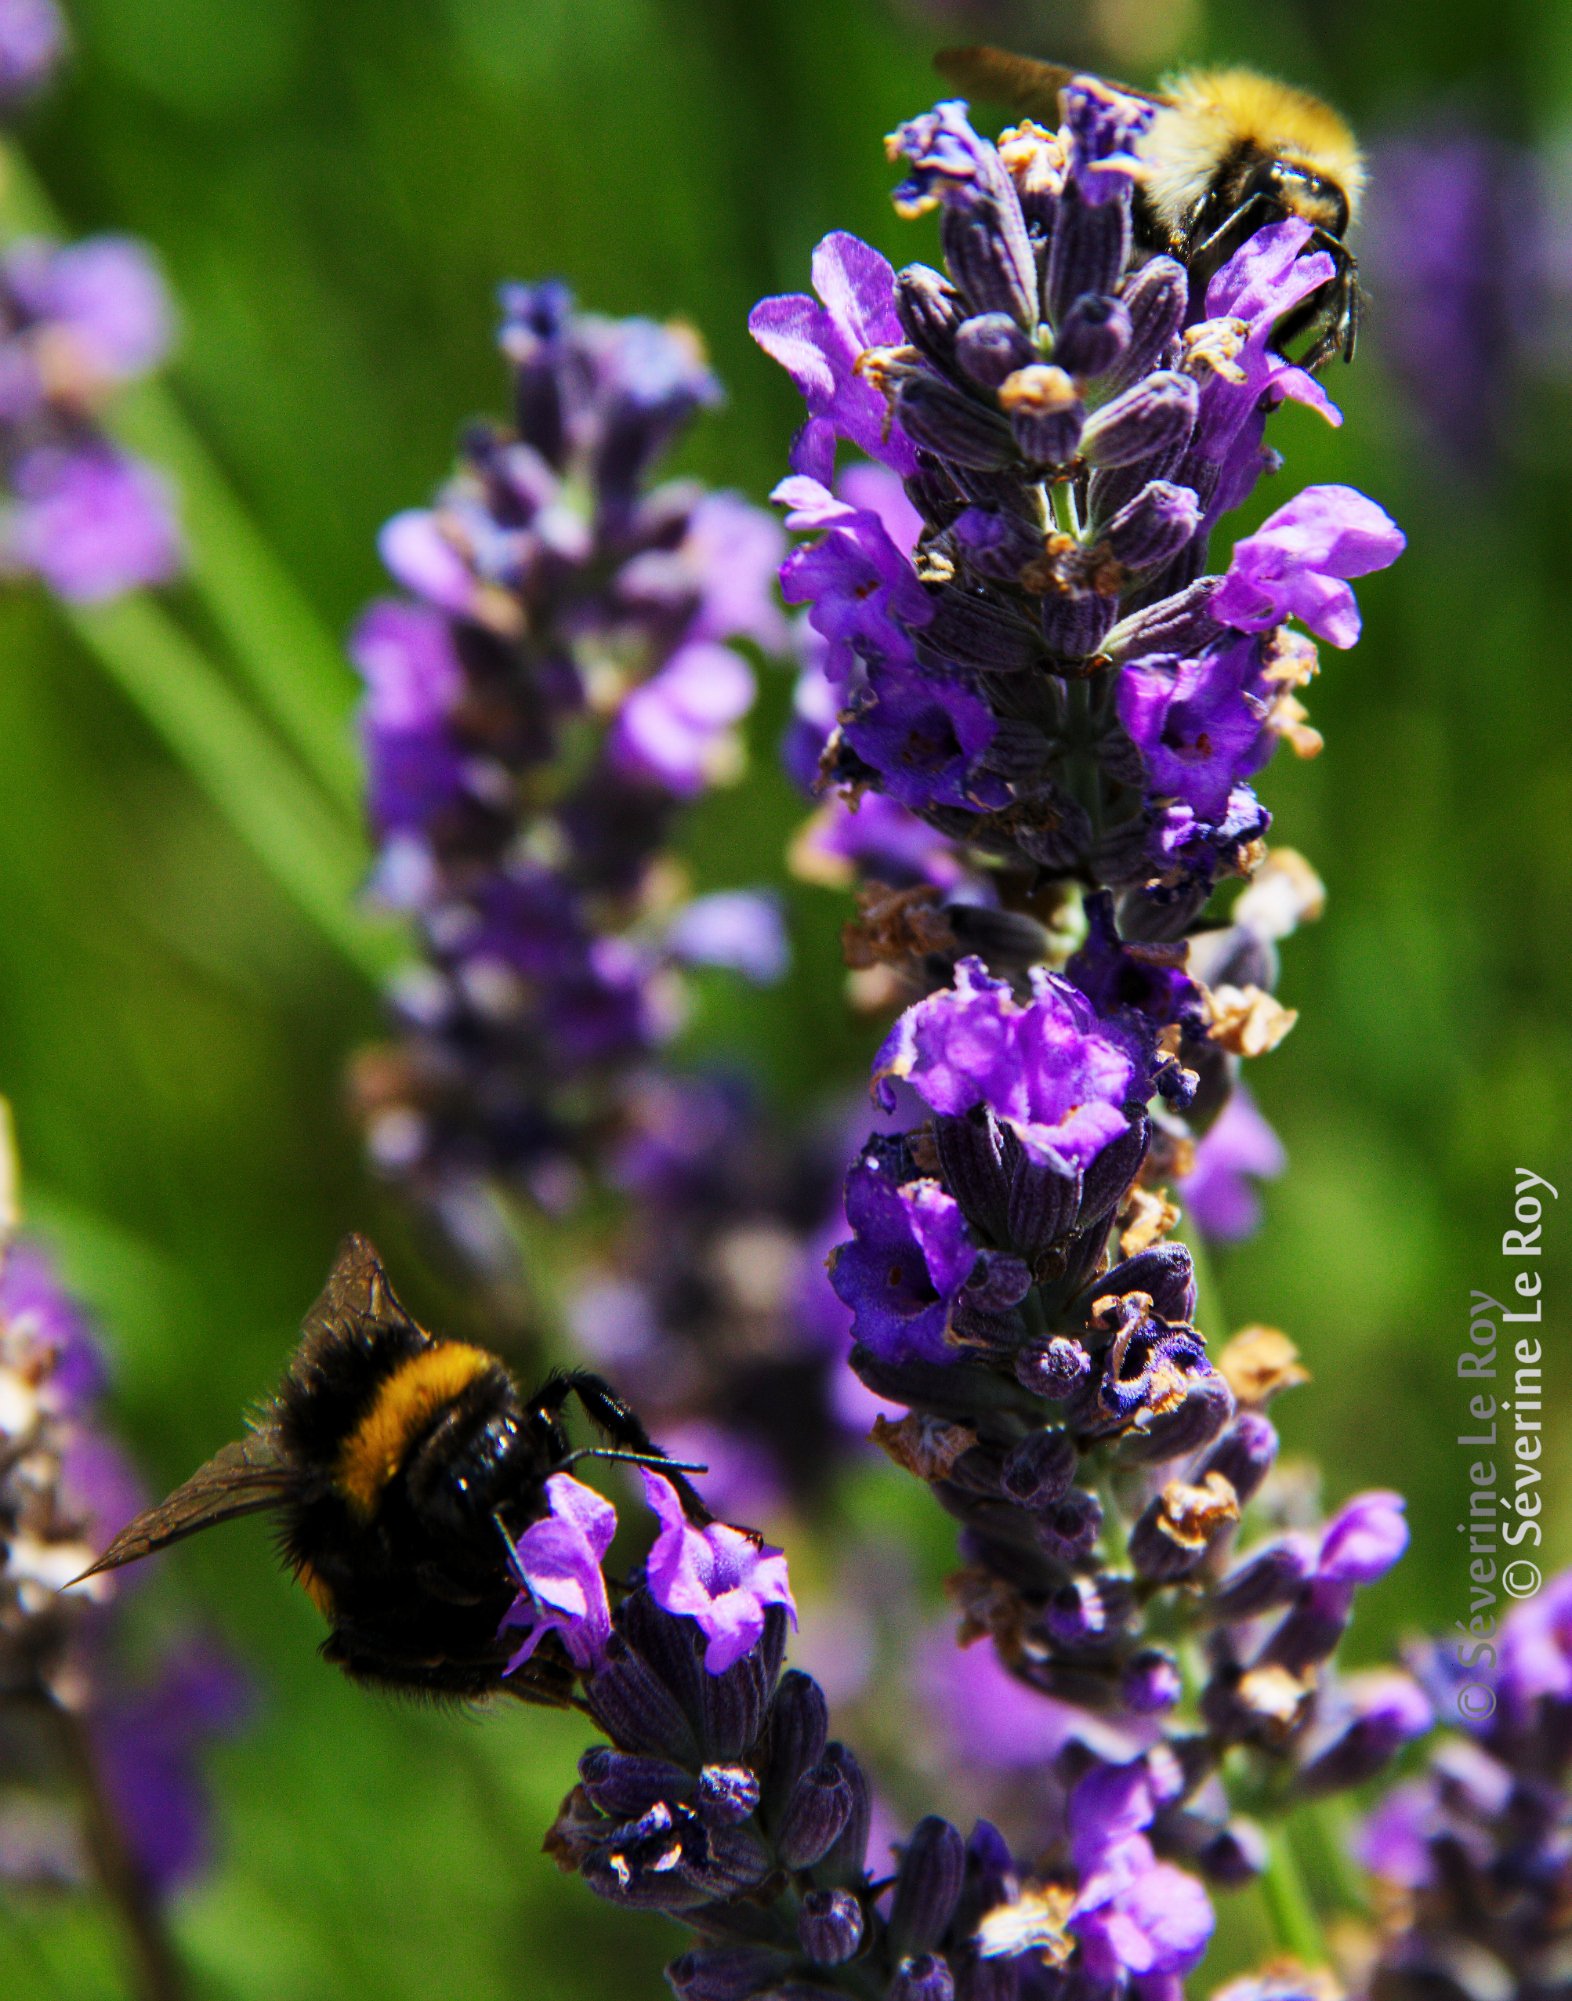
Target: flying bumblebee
(1227, 153)
(402, 1468)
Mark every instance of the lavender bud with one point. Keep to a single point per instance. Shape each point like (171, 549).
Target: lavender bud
(1001, 937)
(925, 1978)
(1070, 1528)
(1165, 1274)
(1182, 624)
(951, 426)
(927, 1886)
(799, 1725)
(815, 1816)
(989, 253)
(534, 338)
(1177, 1527)
(1111, 1172)
(1044, 1203)
(625, 1785)
(1094, 334)
(930, 312)
(1266, 1579)
(1040, 1469)
(1309, 1633)
(971, 1156)
(844, 1865)
(1150, 1682)
(830, 1926)
(995, 543)
(991, 347)
(637, 1710)
(1205, 1408)
(976, 633)
(1149, 531)
(726, 1972)
(727, 1794)
(1234, 1856)
(1075, 623)
(1053, 1369)
(1388, 1711)
(1157, 299)
(1153, 416)
(1086, 1612)
(1243, 1455)
(1089, 250)
(1045, 412)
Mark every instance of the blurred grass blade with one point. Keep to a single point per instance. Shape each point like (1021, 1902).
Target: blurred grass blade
(294, 665)
(273, 807)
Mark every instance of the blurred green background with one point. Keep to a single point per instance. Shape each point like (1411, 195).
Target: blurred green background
(335, 191)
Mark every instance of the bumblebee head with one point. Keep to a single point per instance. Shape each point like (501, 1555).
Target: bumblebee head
(1303, 191)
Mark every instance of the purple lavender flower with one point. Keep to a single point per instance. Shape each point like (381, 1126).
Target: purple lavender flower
(150, 1743)
(720, 1577)
(32, 43)
(821, 345)
(1074, 443)
(912, 1253)
(75, 323)
(65, 1486)
(558, 1565)
(735, 928)
(1458, 242)
(97, 312)
(1296, 563)
(1480, 1845)
(92, 523)
(561, 684)
(1059, 1078)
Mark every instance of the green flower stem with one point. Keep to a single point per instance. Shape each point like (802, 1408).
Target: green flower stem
(292, 664)
(271, 805)
(1295, 1926)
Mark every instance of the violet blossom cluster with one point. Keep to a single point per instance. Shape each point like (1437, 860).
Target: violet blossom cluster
(1025, 652)
(100, 1767)
(1475, 1856)
(721, 1800)
(78, 322)
(559, 681)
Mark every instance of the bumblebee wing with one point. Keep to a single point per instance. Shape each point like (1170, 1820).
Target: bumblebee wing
(357, 1298)
(244, 1478)
(1020, 83)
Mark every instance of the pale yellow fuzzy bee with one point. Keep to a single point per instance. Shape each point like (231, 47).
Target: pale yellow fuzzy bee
(1227, 152)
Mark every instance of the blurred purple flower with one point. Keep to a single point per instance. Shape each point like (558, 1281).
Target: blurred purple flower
(741, 929)
(32, 42)
(1239, 1149)
(92, 523)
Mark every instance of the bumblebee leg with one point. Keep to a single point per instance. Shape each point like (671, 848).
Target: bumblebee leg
(606, 1410)
(1331, 315)
(1207, 256)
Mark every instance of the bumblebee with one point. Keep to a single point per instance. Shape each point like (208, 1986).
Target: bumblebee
(1227, 152)
(402, 1468)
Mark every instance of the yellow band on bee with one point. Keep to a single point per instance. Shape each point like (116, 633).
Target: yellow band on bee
(404, 1405)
